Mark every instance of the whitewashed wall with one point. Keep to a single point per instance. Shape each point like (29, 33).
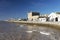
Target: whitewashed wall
(53, 15)
(42, 19)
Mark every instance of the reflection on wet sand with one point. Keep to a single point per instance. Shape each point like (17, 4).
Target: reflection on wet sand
(27, 32)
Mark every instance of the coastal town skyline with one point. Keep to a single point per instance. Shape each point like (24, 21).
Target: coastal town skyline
(20, 8)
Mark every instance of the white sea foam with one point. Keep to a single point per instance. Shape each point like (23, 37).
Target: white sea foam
(45, 33)
(29, 31)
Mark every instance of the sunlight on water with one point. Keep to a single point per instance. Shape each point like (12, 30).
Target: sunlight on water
(13, 31)
(21, 25)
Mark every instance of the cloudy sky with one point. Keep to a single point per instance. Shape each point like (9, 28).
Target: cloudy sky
(20, 8)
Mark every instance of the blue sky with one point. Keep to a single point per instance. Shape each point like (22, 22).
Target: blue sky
(20, 8)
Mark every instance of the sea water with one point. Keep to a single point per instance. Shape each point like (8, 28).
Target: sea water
(15, 31)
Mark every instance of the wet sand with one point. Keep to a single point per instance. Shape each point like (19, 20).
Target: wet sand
(14, 31)
(55, 25)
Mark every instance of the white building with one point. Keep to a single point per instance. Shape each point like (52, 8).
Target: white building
(33, 16)
(54, 16)
(42, 19)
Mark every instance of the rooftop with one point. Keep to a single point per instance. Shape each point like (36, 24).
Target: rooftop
(57, 12)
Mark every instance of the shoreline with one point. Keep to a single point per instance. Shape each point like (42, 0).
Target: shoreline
(47, 24)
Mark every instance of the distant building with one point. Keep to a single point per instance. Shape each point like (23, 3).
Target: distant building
(22, 19)
(33, 16)
(54, 16)
(43, 18)
(11, 19)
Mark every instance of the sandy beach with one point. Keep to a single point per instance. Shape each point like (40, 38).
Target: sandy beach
(47, 24)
